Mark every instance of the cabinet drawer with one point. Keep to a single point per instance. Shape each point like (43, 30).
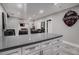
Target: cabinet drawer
(56, 46)
(53, 52)
(47, 52)
(12, 52)
(29, 49)
(45, 44)
(56, 41)
(35, 53)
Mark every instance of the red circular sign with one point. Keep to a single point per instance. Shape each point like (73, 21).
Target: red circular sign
(70, 18)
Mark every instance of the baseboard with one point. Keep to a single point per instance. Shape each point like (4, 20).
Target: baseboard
(72, 44)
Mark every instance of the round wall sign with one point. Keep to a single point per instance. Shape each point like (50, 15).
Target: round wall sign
(70, 18)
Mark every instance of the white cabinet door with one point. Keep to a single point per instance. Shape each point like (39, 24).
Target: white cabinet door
(56, 41)
(47, 51)
(45, 45)
(46, 48)
(35, 53)
(29, 49)
(12, 52)
(52, 47)
(56, 46)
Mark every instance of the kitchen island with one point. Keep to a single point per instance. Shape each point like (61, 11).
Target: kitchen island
(35, 44)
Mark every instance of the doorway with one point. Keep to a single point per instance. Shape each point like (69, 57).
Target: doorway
(49, 26)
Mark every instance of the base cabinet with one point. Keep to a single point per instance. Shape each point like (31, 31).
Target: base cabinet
(50, 47)
(33, 49)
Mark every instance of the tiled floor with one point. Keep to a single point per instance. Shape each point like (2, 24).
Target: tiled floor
(69, 50)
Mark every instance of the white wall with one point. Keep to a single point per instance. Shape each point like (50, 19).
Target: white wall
(37, 23)
(0, 28)
(14, 23)
(70, 34)
(1, 35)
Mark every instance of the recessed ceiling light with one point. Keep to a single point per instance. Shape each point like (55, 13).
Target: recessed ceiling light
(19, 5)
(41, 11)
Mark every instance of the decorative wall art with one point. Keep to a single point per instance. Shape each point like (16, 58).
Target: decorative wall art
(70, 18)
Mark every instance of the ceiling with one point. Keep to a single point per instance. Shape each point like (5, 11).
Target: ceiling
(34, 10)
(15, 9)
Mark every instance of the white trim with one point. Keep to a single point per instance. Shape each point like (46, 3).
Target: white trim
(72, 44)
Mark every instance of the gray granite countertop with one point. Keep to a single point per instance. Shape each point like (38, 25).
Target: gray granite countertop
(32, 39)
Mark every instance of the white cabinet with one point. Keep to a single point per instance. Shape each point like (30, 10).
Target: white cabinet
(35, 53)
(30, 49)
(56, 46)
(51, 47)
(47, 51)
(12, 52)
(56, 41)
(45, 48)
(45, 45)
